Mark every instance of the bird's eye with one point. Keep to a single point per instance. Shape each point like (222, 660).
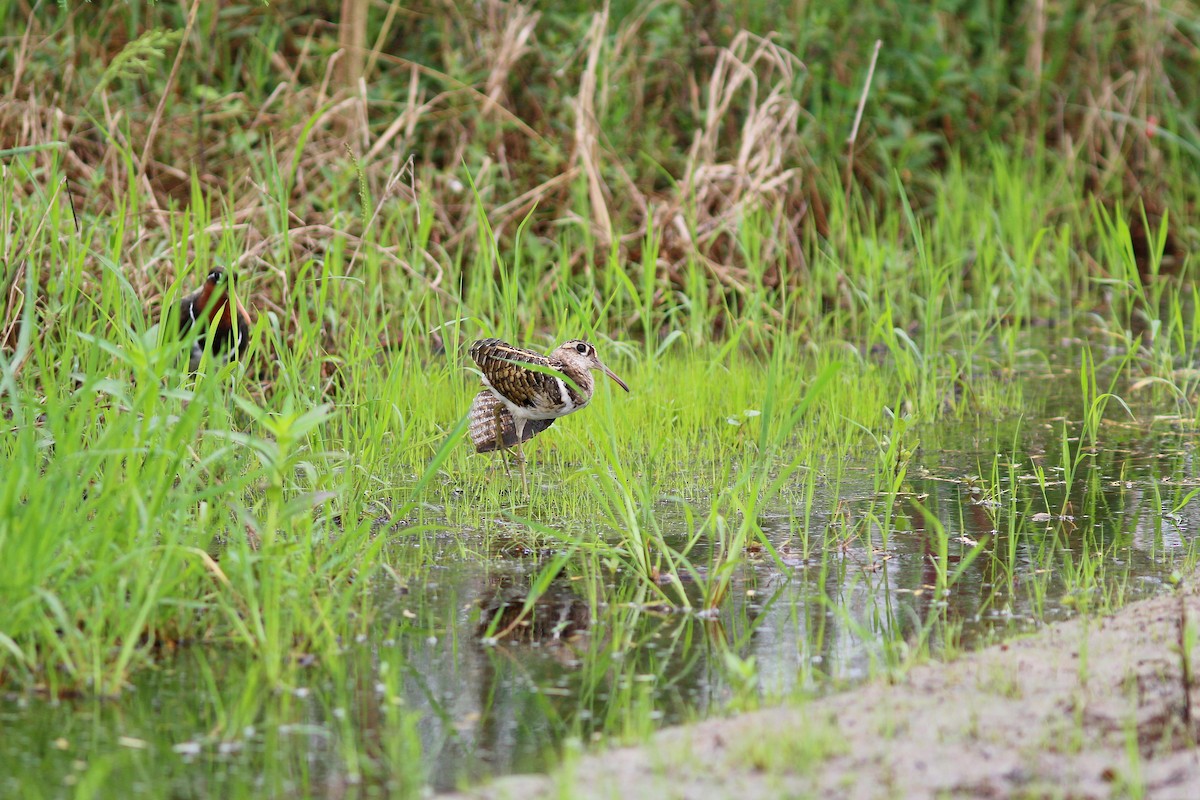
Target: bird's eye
(581, 348)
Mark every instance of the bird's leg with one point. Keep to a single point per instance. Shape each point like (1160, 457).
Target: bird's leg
(521, 461)
(499, 429)
(519, 424)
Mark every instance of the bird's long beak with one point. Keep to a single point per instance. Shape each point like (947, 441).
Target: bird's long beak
(613, 375)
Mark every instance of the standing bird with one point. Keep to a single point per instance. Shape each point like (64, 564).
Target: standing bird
(212, 302)
(532, 388)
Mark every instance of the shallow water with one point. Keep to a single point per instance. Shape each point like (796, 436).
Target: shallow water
(852, 602)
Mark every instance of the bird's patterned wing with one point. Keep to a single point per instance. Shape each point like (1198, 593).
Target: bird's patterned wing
(504, 367)
(489, 416)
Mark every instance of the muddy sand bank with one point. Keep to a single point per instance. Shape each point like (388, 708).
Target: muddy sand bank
(1088, 708)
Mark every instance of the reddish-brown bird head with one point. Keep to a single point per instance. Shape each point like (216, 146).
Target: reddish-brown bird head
(211, 303)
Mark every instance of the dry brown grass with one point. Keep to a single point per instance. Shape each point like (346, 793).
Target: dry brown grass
(530, 124)
(732, 170)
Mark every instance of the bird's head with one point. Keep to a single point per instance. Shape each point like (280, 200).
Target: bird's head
(582, 355)
(217, 277)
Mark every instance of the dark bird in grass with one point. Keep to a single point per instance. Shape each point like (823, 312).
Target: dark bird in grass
(213, 302)
(532, 388)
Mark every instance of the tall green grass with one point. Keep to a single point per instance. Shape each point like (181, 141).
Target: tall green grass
(348, 414)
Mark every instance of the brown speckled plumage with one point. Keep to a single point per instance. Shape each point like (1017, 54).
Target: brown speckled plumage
(493, 428)
(533, 388)
(199, 308)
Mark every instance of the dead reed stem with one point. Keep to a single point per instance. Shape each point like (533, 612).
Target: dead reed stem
(587, 150)
(862, 104)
